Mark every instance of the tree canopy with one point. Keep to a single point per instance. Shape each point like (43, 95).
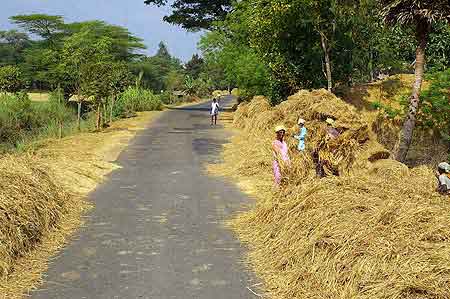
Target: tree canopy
(195, 15)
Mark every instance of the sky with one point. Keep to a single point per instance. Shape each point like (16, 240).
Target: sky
(141, 20)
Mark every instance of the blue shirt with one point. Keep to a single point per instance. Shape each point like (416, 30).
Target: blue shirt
(301, 139)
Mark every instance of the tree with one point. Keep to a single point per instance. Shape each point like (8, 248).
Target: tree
(16, 42)
(163, 51)
(421, 14)
(49, 28)
(194, 66)
(195, 15)
(10, 79)
(124, 45)
(120, 78)
(96, 85)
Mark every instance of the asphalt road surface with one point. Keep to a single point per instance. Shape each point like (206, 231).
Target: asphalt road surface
(157, 228)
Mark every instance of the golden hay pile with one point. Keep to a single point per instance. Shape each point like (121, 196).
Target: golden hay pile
(31, 205)
(378, 231)
(356, 144)
(370, 235)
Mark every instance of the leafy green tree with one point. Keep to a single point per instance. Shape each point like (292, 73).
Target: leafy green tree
(195, 15)
(124, 45)
(11, 79)
(194, 66)
(12, 45)
(49, 28)
(157, 69)
(120, 78)
(96, 86)
(421, 15)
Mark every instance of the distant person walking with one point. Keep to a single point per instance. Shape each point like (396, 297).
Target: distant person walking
(301, 137)
(280, 152)
(214, 111)
(443, 176)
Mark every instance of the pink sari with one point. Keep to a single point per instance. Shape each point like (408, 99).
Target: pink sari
(282, 153)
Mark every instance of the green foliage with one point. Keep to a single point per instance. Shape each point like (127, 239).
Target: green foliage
(21, 119)
(159, 71)
(195, 15)
(238, 64)
(136, 100)
(194, 66)
(12, 45)
(189, 86)
(11, 79)
(435, 108)
(47, 27)
(390, 112)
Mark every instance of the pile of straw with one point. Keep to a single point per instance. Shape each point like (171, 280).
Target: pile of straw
(356, 144)
(378, 231)
(31, 205)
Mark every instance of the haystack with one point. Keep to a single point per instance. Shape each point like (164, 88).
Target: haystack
(364, 236)
(378, 231)
(31, 205)
(259, 118)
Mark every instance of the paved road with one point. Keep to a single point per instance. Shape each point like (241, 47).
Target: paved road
(156, 231)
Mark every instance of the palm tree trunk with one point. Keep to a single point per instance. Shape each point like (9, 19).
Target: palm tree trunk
(423, 30)
(326, 52)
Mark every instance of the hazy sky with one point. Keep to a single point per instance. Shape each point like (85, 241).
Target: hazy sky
(142, 20)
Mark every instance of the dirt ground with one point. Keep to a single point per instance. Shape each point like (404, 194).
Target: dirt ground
(79, 163)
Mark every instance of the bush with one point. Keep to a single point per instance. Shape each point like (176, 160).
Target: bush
(11, 79)
(22, 120)
(136, 100)
(435, 108)
(16, 117)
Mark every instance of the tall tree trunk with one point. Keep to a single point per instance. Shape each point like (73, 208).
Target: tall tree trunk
(97, 125)
(326, 52)
(423, 30)
(113, 100)
(79, 116)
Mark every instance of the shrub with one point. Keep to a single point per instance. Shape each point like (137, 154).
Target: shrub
(11, 79)
(136, 100)
(435, 108)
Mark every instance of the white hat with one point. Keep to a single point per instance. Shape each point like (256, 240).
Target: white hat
(301, 121)
(444, 166)
(280, 128)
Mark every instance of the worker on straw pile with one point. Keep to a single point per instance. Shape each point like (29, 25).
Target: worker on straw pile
(214, 111)
(302, 135)
(280, 152)
(331, 130)
(321, 163)
(443, 175)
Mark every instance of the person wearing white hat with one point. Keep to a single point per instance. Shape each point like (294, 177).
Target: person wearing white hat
(443, 176)
(301, 137)
(280, 152)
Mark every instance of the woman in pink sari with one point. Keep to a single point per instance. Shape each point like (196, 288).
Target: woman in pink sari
(280, 152)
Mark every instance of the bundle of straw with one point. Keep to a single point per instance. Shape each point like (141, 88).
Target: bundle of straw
(31, 205)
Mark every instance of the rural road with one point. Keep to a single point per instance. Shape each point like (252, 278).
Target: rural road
(157, 227)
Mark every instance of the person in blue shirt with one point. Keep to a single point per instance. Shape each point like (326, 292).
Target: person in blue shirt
(301, 137)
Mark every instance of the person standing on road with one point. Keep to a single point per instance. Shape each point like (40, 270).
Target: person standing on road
(301, 137)
(214, 111)
(280, 152)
